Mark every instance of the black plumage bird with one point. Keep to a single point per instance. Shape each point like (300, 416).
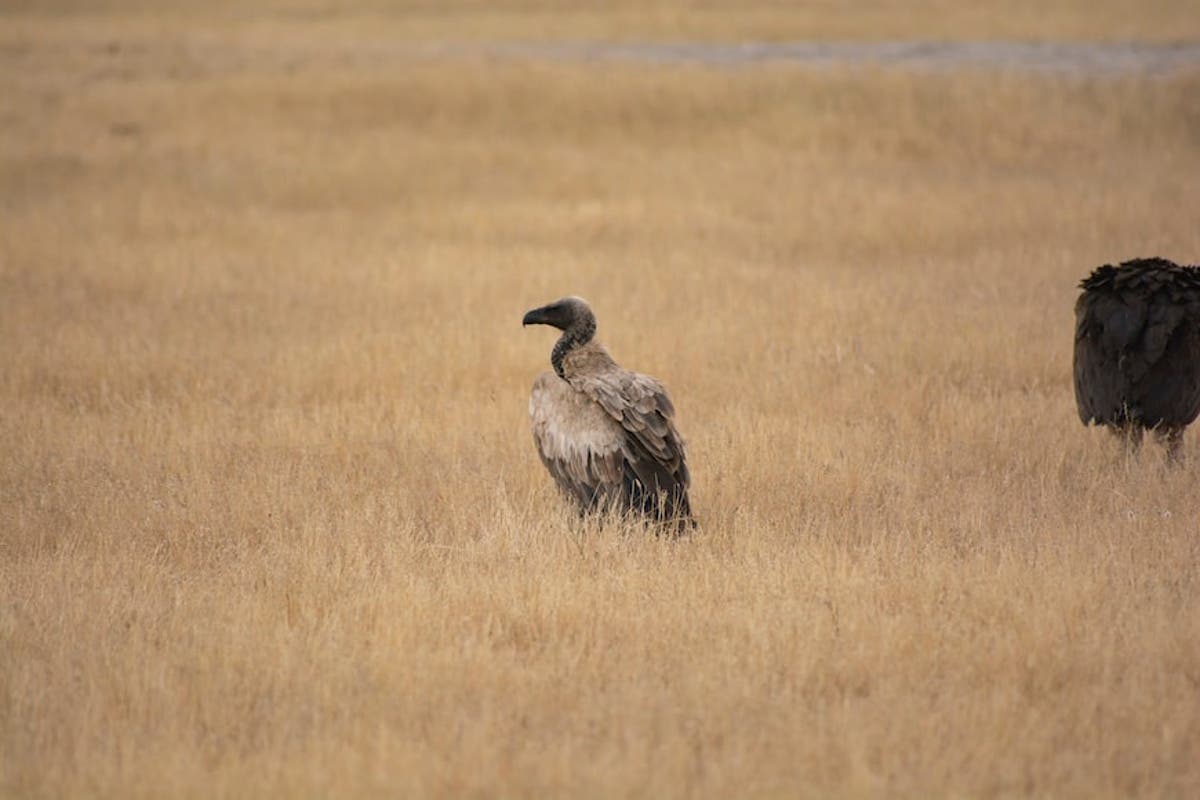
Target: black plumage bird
(1137, 349)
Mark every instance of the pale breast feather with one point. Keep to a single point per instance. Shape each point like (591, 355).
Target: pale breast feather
(577, 441)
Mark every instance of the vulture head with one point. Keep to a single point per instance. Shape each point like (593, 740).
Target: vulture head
(567, 314)
(573, 317)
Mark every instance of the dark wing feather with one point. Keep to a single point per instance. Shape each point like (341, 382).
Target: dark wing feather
(655, 467)
(1169, 393)
(1137, 344)
(1099, 382)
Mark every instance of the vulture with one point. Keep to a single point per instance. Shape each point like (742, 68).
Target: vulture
(606, 434)
(1137, 349)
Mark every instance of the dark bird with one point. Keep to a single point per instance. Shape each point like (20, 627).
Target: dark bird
(1137, 349)
(606, 434)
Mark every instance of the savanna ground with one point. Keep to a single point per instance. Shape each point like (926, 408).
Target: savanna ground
(272, 521)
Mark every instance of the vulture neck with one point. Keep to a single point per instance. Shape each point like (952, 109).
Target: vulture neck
(579, 333)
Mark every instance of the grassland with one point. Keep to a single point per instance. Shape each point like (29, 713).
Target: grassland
(367, 21)
(271, 522)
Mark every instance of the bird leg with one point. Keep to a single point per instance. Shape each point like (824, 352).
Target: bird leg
(1130, 434)
(1172, 438)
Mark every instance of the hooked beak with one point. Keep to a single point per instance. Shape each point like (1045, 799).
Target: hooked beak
(535, 317)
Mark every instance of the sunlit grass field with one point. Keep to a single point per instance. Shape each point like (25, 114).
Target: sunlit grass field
(272, 523)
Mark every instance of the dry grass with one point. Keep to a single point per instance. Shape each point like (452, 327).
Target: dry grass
(272, 523)
(366, 21)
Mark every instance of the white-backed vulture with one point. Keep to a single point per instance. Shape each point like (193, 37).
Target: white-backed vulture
(606, 434)
(1137, 349)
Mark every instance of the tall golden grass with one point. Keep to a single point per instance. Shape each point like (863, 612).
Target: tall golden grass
(273, 525)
